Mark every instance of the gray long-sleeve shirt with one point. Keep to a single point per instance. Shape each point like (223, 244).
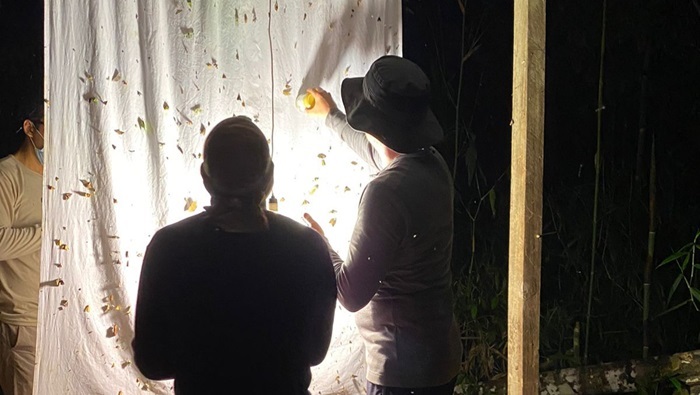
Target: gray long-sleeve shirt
(397, 272)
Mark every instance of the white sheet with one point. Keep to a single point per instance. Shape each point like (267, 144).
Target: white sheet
(133, 87)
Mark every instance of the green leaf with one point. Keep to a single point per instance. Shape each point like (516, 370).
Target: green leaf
(676, 383)
(676, 307)
(492, 202)
(494, 302)
(685, 262)
(673, 287)
(474, 310)
(673, 257)
(470, 160)
(696, 293)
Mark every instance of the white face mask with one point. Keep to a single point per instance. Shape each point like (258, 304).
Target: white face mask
(39, 155)
(38, 152)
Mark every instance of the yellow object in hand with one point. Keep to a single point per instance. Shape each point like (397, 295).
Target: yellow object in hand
(306, 101)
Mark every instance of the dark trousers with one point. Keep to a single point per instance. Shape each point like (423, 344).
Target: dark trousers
(445, 389)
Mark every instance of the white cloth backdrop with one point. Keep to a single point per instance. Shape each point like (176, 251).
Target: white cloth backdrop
(132, 88)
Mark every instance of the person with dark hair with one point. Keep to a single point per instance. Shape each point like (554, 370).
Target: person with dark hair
(21, 175)
(236, 299)
(396, 276)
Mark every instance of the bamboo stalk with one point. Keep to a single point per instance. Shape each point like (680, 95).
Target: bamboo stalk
(642, 113)
(463, 7)
(650, 249)
(598, 163)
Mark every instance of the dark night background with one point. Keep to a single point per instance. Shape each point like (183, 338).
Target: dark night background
(651, 83)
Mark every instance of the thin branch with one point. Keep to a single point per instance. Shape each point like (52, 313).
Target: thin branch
(474, 45)
(461, 6)
(692, 266)
(459, 95)
(598, 163)
(649, 266)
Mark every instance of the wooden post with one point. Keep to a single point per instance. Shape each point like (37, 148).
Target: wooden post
(526, 197)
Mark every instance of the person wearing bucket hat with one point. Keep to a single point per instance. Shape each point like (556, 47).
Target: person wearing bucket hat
(20, 246)
(236, 299)
(396, 275)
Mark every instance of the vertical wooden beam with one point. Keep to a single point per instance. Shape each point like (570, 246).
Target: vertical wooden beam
(526, 197)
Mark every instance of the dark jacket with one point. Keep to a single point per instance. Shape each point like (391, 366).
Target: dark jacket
(230, 312)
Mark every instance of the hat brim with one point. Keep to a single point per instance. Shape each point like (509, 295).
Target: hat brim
(404, 133)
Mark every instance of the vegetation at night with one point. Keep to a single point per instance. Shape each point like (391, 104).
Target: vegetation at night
(601, 219)
(620, 274)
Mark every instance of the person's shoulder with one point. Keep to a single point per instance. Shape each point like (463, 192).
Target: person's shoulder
(386, 186)
(300, 242)
(422, 170)
(281, 222)
(181, 228)
(9, 162)
(292, 230)
(9, 168)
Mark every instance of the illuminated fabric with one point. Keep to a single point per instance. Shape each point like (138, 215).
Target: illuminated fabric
(133, 87)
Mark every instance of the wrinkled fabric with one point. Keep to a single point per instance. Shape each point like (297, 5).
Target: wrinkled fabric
(133, 88)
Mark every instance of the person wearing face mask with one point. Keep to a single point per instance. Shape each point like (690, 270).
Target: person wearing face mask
(21, 175)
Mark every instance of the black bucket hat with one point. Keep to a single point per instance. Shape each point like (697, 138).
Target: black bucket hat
(392, 103)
